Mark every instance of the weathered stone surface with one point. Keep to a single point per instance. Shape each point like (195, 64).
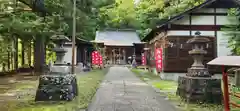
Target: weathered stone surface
(57, 87)
(200, 89)
(198, 85)
(123, 91)
(198, 72)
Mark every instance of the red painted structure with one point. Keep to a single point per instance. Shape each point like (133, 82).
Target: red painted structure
(229, 61)
(225, 89)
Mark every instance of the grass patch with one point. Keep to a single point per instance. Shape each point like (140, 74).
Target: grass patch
(165, 85)
(169, 89)
(144, 75)
(87, 84)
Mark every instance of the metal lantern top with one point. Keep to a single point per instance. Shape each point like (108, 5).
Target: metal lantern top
(198, 39)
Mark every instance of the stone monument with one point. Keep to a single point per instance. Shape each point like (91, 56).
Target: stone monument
(198, 85)
(58, 83)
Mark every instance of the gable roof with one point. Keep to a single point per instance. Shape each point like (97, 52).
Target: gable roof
(117, 37)
(164, 22)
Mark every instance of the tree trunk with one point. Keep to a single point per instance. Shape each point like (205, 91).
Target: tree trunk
(8, 62)
(12, 60)
(23, 54)
(30, 53)
(39, 54)
(16, 53)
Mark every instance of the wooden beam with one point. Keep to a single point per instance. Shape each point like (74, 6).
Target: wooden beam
(196, 27)
(160, 35)
(208, 14)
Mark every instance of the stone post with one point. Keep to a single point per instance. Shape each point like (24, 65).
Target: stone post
(124, 56)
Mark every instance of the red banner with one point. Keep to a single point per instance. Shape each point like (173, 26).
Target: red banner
(96, 58)
(143, 59)
(158, 59)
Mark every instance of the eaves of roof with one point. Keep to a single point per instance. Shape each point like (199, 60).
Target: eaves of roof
(178, 16)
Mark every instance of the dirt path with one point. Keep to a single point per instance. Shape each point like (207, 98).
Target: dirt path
(16, 88)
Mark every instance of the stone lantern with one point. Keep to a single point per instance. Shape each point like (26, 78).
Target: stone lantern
(58, 84)
(198, 85)
(198, 52)
(59, 50)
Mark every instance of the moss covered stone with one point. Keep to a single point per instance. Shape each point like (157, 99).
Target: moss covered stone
(200, 89)
(57, 87)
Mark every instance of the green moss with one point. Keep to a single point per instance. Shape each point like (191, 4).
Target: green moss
(165, 85)
(87, 83)
(144, 75)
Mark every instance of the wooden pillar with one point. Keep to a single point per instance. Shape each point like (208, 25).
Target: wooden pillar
(114, 60)
(112, 56)
(119, 56)
(105, 55)
(124, 56)
(85, 55)
(134, 51)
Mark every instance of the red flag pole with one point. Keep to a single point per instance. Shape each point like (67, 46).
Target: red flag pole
(225, 89)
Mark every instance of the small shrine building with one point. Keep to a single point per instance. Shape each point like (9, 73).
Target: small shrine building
(119, 46)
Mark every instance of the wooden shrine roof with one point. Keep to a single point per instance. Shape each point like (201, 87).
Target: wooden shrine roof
(207, 3)
(117, 37)
(226, 61)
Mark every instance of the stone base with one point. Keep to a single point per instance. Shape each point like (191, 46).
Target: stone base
(198, 72)
(57, 87)
(200, 89)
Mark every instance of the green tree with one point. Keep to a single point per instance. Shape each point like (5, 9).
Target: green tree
(232, 30)
(143, 15)
(121, 14)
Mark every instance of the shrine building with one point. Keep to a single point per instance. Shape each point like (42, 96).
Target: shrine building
(119, 45)
(171, 34)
